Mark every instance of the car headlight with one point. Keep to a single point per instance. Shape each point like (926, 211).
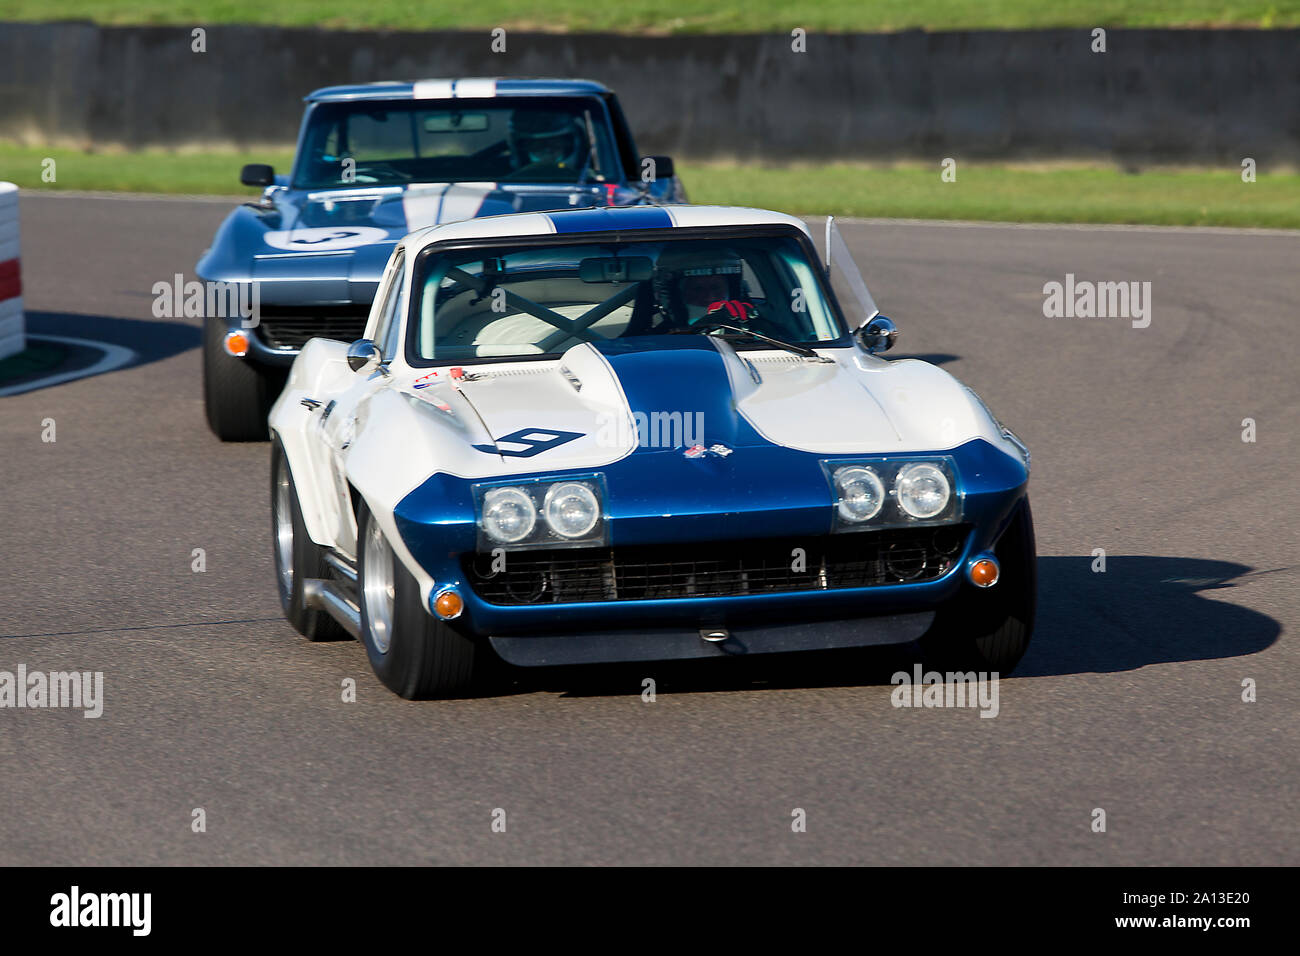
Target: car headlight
(869, 494)
(861, 493)
(509, 514)
(571, 509)
(541, 513)
(923, 490)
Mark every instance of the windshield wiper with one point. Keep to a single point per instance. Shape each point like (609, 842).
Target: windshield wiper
(740, 333)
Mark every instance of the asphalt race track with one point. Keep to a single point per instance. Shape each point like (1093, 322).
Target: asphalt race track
(1130, 699)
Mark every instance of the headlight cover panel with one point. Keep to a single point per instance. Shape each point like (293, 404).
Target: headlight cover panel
(542, 535)
(892, 514)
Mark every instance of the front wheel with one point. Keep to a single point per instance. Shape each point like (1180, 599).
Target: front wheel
(412, 652)
(297, 556)
(989, 630)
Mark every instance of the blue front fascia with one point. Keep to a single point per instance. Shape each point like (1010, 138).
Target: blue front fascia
(659, 496)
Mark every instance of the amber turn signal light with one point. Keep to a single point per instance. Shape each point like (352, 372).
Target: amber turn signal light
(984, 573)
(237, 344)
(448, 605)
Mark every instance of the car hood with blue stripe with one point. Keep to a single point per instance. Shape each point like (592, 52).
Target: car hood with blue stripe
(708, 436)
(330, 246)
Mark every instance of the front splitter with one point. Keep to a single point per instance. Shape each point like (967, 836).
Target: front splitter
(663, 644)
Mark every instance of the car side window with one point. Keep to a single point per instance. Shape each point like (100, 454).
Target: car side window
(393, 307)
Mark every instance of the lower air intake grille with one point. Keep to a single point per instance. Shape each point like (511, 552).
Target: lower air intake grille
(717, 569)
(292, 332)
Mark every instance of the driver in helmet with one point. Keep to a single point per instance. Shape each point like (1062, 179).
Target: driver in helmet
(546, 145)
(691, 286)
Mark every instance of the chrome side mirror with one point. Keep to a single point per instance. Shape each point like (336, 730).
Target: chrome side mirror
(363, 355)
(878, 335)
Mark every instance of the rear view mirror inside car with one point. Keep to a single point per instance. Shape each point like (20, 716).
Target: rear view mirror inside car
(625, 269)
(455, 122)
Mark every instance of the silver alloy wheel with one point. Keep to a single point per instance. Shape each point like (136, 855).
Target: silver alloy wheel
(284, 530)
(377, 587)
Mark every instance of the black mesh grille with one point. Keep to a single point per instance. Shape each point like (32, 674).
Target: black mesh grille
(293, 331)
(717, 569)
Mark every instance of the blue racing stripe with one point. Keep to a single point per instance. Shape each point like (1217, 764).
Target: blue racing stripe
(609, 219)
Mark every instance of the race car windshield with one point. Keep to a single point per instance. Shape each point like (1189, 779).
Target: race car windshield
(529, 301)
(502, 139)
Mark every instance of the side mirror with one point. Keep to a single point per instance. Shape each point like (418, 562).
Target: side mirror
(878, 335)
(363, 355)
(663, 166)
(257, 174)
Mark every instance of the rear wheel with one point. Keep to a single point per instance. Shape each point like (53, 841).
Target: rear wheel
(989, 630)
(237, 393)
(412, 652)
(297, 556)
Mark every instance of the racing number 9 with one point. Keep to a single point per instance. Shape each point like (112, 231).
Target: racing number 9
(532, 445)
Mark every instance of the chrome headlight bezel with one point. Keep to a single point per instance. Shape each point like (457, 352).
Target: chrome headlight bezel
(892, 514)
(539, 492)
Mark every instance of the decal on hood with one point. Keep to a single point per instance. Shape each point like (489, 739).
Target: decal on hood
(324, 238)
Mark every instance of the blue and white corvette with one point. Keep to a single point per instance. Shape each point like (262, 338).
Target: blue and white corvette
(377, 161)
(638, 434)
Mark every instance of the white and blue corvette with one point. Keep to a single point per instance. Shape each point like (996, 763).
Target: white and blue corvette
(636, 434)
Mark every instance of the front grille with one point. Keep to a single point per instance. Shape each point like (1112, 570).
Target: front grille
(717, 569)
(293, 331)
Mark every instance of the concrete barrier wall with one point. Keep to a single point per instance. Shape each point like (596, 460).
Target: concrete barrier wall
(1202, 96)
(12, 335)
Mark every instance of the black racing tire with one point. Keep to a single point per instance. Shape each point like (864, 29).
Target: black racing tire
(297, 558)
(990, 629)
(237, 392)
(413, 653)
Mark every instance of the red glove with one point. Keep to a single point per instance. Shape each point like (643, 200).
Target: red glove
(737, 309)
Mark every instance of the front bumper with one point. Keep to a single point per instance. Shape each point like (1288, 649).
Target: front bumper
(437, 525)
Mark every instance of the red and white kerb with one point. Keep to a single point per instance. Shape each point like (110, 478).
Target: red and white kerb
(12, 338)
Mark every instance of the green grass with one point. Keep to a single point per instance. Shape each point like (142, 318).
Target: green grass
(1007, 193)
(155, 172)
(1004, 193)
(671, 16)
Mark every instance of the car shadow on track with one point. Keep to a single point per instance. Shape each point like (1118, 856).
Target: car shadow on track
(1140, 611)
